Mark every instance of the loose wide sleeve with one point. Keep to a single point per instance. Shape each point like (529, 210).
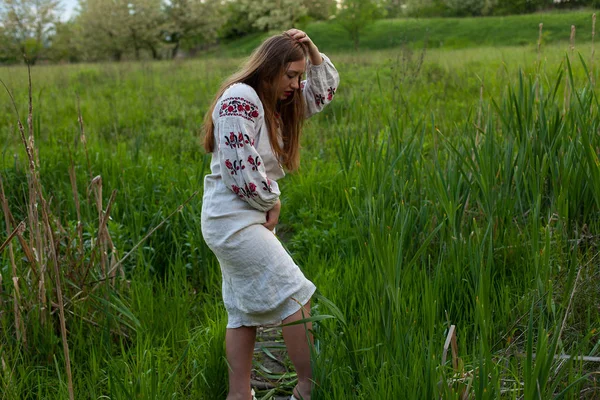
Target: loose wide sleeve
(237, 121)
(320, 85)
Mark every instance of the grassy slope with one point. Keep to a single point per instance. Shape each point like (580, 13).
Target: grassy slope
(442, 32)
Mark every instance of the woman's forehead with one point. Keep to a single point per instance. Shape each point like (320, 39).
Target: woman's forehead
(297, 66)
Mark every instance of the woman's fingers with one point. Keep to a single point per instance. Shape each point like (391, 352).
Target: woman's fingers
(270, 225)
(271, 221)
(298, 35)
(273, 216)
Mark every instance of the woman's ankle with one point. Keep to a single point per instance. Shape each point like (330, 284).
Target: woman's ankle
(239, 396)
(303, 390)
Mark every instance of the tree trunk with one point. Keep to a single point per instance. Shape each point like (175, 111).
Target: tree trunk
(154, 51)
(136, 45)
(175, 50)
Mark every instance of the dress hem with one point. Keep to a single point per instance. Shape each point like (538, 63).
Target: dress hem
(271, 318)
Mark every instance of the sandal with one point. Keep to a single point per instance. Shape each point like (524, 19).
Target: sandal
(253, 394)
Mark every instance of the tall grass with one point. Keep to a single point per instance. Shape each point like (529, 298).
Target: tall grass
(466, 194)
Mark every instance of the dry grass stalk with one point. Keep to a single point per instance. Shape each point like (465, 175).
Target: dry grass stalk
(83, 138)
(58, 283)
(19, 326)
(20, 227)
(572, 39)
(100, 243)
(73, 179)
(43, 245)
(38, 196)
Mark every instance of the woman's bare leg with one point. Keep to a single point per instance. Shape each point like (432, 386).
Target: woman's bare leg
(296, 340)
(239, 343)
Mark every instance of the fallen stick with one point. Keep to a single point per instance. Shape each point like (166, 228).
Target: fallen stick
(568, 357)
(451, 343)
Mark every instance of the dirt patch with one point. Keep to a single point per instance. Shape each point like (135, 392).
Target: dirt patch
(273, 377)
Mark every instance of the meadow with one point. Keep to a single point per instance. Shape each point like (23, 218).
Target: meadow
(441, 187)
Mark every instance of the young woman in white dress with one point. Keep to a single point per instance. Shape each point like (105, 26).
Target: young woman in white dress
(252, 130)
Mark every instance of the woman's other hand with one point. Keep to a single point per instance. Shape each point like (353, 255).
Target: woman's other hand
(273, 216)
(313, 51)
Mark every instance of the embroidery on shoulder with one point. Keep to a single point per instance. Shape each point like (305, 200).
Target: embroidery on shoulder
(238, 107)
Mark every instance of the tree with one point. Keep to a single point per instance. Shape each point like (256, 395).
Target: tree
(506, 7)
(395, 8)
(462, 8)
(275, 14)
(321, 9)
(237, 22)
(27, 26)
(147, 26)
(104, 31)
(194, 22)
(426, 8)
(8, 49)
(112, 29)
(64, 43)
(356, 15)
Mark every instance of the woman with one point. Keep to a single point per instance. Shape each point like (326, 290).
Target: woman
(252, 130)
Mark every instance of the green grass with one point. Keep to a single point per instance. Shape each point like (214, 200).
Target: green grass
(450, 33)
(419, 204)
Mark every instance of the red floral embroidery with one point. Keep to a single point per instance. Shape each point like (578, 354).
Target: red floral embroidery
(254, 162)
(302, 85)
(267, 186)
(236, 190)
(238, 107)
(249, 190)
(330, 93)
(319, 99)
(233, 141)
(235, 167)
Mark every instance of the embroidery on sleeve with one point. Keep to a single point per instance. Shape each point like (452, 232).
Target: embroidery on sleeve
(267, 186)
(249, 190)
(235, 167)
(319, 99)
(236, 190)
(330, 93)
(254, 162)
(234, 141)
(238, 107)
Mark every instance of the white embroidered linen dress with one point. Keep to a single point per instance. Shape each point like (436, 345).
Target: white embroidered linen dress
(262, 284)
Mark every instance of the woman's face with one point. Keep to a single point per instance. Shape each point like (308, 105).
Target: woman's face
(290, 81)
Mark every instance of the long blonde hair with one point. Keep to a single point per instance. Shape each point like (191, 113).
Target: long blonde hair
(263, 71)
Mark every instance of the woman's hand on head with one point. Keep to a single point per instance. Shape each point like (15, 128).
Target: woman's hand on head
(273, 216)
(302, 37)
